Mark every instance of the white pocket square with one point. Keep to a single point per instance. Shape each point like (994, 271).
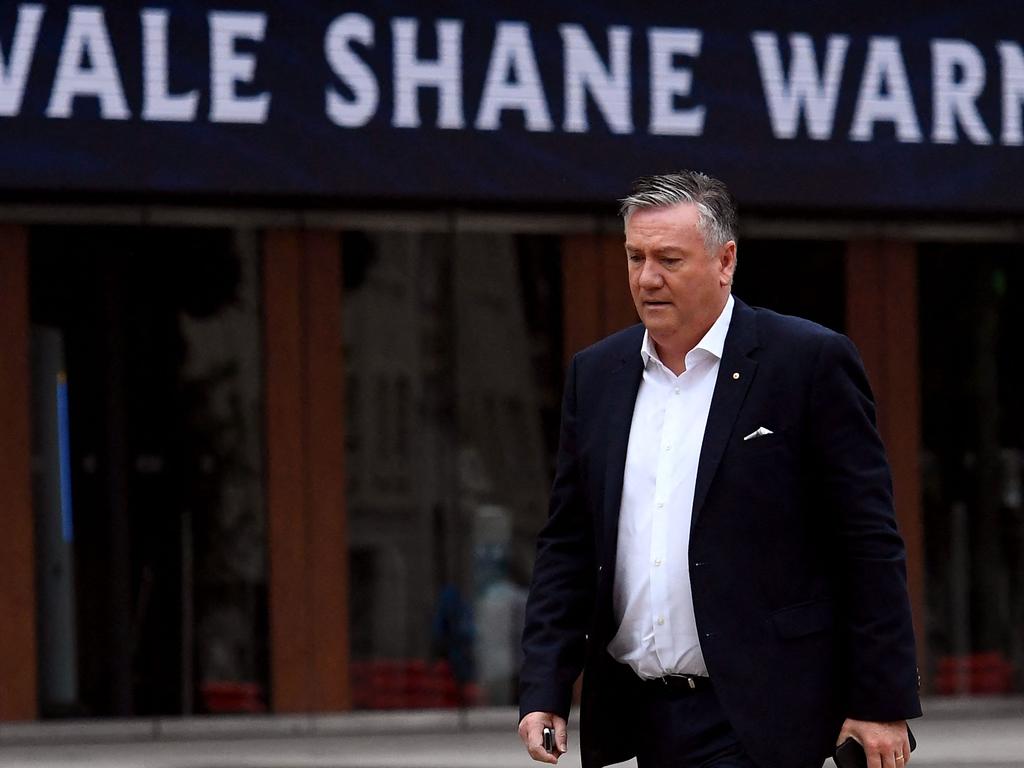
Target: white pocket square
(759, 432)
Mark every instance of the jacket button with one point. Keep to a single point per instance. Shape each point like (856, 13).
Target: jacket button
(600, 568)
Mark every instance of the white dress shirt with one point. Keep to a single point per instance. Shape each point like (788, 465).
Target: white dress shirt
(652, 600)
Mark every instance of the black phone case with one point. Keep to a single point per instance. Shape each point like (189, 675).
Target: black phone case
(850, 754)
(549, 740)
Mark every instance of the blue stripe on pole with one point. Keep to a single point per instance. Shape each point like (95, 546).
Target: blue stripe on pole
(64, 442)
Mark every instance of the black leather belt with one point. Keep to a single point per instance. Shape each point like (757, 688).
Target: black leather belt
(677, 683)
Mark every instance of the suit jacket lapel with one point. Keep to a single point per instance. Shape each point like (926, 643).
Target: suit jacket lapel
(622, 391)
(735, 374)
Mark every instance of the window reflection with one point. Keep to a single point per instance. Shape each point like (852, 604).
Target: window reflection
(971, 313)
(161, 603)
(454, 376)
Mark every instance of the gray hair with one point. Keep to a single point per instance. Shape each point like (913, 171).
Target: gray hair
(716, 208)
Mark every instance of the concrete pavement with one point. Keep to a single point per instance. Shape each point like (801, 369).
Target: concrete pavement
(958, 733)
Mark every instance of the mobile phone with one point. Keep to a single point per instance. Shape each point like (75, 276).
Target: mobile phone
(850, 754)
(549, 740)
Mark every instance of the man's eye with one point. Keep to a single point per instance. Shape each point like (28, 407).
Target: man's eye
(634, 257)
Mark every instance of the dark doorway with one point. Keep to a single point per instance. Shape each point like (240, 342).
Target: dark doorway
(155, 465)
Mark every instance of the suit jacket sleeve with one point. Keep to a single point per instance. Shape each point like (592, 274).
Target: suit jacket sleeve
(854, 476)
(561, 593)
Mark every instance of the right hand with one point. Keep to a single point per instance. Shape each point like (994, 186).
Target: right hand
(531, 731)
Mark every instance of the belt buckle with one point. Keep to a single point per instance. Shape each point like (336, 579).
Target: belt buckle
(688, 678)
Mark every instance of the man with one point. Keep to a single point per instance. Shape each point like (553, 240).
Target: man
(721, 556)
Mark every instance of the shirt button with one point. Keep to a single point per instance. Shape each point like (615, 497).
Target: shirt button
(657, 561)
(668, 447)
(661, 504)
(676, 390)
(661, 620)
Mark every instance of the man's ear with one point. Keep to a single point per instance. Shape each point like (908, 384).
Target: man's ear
(727, 262)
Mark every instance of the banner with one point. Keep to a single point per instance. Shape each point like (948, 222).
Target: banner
(837, 106)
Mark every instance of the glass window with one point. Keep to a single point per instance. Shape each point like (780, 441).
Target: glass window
(148, 461)
(453, 355)
(972, 309)
(795, 277)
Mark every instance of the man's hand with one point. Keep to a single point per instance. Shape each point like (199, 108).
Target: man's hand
(531, 731)
(885, 744)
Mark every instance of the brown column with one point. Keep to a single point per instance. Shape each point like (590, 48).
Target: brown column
(881, 318)
(308, 546)
(327, 520)
(595, 290)
(18, 692)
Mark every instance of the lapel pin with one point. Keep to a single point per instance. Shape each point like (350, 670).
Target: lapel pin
(736, 375)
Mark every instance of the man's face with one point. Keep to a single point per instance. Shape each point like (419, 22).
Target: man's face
(679, 288)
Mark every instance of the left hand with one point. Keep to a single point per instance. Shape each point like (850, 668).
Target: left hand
(882, 742)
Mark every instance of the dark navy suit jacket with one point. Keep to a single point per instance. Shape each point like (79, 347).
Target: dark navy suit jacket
(797, 569)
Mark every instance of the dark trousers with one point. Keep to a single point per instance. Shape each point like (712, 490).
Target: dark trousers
(685, 729)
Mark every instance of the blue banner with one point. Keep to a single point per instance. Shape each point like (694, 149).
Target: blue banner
(874, 106)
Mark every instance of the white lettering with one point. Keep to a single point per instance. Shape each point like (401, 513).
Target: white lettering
(513, 81)
(228, 67)
(157, 101)
(885, 94)
(668, 82)
(86, 36)
(14, 71)
(585, 72)
(952, 97)
(357, 111)
(803, 90)
(412, 73)
(1013, 92)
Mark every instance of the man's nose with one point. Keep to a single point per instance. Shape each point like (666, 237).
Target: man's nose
(650, 275)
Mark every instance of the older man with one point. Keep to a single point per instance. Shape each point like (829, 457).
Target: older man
(721, 557)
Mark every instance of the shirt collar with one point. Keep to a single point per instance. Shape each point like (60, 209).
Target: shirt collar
(713, 341)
